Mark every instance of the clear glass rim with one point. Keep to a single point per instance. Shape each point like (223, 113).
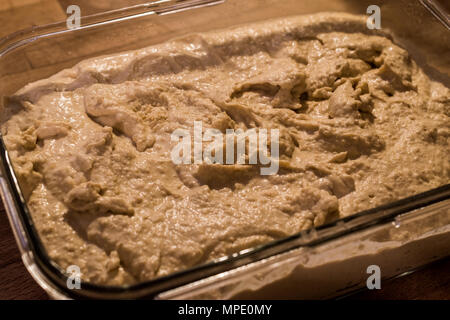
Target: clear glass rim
(437, 11)
(157, 7)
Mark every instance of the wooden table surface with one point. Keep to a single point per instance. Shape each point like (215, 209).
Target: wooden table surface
(432, 282)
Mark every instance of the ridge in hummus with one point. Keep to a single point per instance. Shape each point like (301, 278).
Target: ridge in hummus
(359, 123)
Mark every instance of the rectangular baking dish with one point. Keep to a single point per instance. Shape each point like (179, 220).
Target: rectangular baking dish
(325, 262)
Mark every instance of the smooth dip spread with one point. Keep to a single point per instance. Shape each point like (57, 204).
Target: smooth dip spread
(359, 125)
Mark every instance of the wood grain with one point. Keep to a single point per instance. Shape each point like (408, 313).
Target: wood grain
(15, 281)
(430, 283)
(433, 282)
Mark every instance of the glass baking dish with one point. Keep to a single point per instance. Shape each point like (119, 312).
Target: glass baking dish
(324, 262)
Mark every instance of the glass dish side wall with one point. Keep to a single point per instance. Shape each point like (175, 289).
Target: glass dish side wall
(44, 56)
(335, 268)
(44, 51)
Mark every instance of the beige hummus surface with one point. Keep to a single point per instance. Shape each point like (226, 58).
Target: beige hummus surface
(360, 125)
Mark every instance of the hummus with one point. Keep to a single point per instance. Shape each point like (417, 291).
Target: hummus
(360, 125)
